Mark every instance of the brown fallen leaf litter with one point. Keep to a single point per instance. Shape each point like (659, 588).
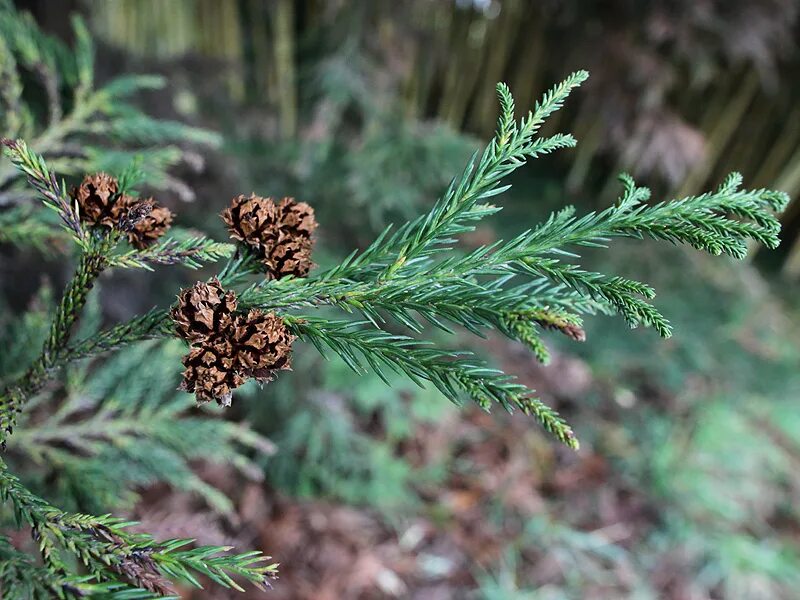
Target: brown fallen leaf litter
(499, 465)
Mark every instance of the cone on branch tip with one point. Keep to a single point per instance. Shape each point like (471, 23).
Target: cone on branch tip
(100, 203)
(279, 233)
(211, 371)
(227, 349)
(99, 200)
(204, 311)
(263, 345)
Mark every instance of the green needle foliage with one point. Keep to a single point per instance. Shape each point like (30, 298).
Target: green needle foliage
(408, 280)
(49, 96)
(103, 545)
(109, 431)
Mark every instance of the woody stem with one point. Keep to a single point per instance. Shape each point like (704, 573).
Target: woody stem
(14, 396)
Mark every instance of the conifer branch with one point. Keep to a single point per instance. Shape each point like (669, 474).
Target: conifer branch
(151, 325)
(92, 262)
(44, 181)
(80, 117)
(455, 374)
(20, 577)
(190, 252)
(19, 226)
(103, 542)
(126, 422)
(457, 211)
(10, 92)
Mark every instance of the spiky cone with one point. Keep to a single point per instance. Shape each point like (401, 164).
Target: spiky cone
(280, 234)
(289, 257)
(204, 311)
(99, 200)
(263, 345)
(211, 371)
(297, 218)
(144, 230)
(252, 220)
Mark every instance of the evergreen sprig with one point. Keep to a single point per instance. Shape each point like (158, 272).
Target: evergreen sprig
(111, 432)
(79, 126)
(151, 325)
(93, 261)
(409, 278)
(109, 550)
(40, 178)
(457, 375)
(458, 210)
(190, 251)
(66, 72)
(20, 227)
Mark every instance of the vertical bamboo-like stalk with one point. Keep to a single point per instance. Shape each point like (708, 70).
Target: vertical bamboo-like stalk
(285, 66)
(791, 266)
(781, 150)
(412, 86)
(789, 179)
(132, 17)
(182, 34)
(227, 14)
(589, 132)
(456, 53)
(475, 54)
(500, 40)
(747, 141)
(313, 14)
(262, 65)
(529, 58)
(725, 126)
(437, 21)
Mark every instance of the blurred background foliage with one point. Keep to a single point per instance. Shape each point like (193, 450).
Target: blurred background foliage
(686, 485)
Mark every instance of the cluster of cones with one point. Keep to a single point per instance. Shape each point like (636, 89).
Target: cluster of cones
(101, 204)
(226, 349)
(278, 232)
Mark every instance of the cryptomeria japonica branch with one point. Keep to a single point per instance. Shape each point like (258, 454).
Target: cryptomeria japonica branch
(243, 323)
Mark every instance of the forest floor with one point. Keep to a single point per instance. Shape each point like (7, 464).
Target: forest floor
(508, 495)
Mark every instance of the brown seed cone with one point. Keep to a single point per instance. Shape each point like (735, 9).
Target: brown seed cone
(99, 201)
(256, 346)
(279, 233)
(204, 311)
(211, 372)
(147, 229)
(252, 220)
(290, 256)
(263, 345)
(137, 210)
(297, 218)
